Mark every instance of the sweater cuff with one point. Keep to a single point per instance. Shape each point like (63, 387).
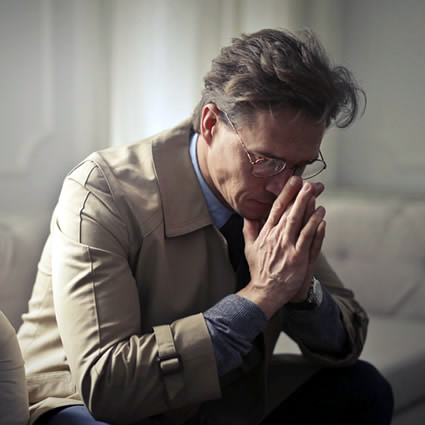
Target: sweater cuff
(321, 330)
(233, 323)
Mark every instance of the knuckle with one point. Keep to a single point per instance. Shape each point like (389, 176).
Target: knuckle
(278, 206)
(291, 220)
(293, 259)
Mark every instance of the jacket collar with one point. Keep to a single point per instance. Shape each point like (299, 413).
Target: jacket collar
(184, 206)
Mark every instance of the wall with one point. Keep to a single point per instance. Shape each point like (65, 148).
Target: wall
(384, 45)
(53, 104)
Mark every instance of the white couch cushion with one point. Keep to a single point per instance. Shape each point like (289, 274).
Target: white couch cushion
(377, 247)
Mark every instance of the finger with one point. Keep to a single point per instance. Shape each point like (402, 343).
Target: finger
(285, 197)
(287, 211)
(318, 188)
(311, 207)
(284, 218)
(317, 243)
(251, 229)
(309, 230)
(316, 247)
(294, 222)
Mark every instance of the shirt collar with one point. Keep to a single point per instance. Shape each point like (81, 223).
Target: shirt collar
(219, 213)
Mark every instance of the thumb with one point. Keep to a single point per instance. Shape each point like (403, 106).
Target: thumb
(251, 229)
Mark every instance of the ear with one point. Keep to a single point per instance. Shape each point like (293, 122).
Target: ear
(209, 121)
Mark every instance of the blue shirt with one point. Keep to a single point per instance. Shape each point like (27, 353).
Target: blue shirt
(218, 212)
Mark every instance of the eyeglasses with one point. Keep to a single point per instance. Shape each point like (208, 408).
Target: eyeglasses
(268, 167)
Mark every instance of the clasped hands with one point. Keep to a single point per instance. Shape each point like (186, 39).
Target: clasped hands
(282, 252)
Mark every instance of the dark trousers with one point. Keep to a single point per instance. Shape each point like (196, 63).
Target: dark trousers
(352, 395)
(357, 394)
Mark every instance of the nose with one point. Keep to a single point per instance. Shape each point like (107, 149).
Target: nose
(275, 183)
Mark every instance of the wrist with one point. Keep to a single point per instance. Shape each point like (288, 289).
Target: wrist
(313, 299)
(257, 297)
(303, 292)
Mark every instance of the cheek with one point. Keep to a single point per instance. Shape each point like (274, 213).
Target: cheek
(235, 188)
(247, 190)
(232, 173)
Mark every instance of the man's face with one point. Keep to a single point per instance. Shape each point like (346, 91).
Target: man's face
(289, 135)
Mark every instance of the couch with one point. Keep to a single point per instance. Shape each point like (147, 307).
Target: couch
(376, 243)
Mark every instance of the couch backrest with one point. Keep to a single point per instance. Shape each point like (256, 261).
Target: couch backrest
(21, 240)
(376, 244)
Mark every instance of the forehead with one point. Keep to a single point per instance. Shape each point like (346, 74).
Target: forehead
(284, 133)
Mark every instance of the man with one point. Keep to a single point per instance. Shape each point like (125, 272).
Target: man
(145, 309)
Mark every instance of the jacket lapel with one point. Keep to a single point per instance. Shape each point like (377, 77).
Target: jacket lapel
(184, 206)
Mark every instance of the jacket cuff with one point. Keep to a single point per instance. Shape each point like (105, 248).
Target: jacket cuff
(191, 374)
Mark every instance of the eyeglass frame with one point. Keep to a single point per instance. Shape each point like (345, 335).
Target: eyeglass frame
(250, 155)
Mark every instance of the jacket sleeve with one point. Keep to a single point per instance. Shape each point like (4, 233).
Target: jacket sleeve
(122, 375)
(353, 317)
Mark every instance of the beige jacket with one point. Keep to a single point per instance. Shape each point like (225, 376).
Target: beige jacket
(132, 261)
